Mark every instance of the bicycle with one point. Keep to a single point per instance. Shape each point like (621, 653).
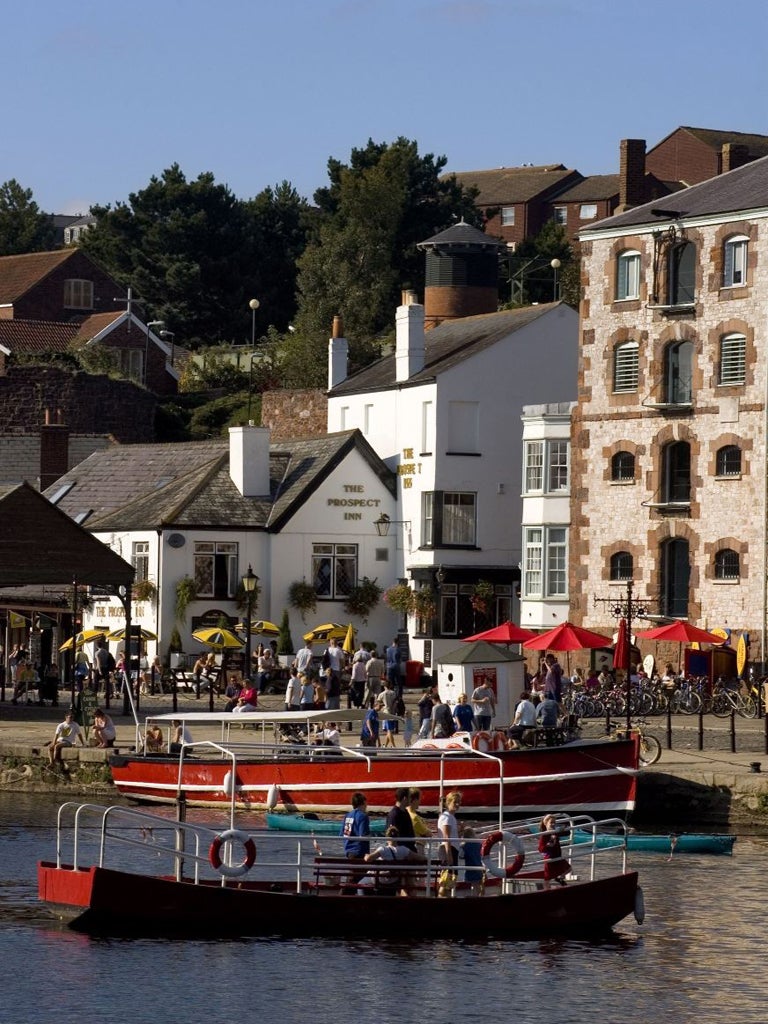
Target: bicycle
(650, 746)
(728, 699)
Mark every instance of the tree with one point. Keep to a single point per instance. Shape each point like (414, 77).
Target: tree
(363, 247)
(530, 276)
(23, 228)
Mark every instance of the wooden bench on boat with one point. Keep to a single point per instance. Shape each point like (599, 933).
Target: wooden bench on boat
(340, 874)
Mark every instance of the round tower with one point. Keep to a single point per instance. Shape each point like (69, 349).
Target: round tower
(462, 274)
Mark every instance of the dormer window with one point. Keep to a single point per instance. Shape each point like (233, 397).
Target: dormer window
(78, 294)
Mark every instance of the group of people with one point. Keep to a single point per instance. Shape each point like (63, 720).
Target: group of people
(69, 733)
(470, 714)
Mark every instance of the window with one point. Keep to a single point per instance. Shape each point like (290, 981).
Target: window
(625, 367)
(588, 211)
(334, 569)
(676, 484)
(507, 216)
(448, 518)
(727, 565)
(733, 359)
(555, 455)
(628, 275)
(675, 577)
(131, 363)
(678, 373)
(735, 261)
(560, 215)
(367, 418)
(728, 461)
(622, 467)
(216, 569)
(78, 294)
(503, 603)
(449, 609)
(140, 560)
(534, 465)
(427, 429)
(681, 270)
(621, 566)
(545, 562)
(464, 427)
(558, 465)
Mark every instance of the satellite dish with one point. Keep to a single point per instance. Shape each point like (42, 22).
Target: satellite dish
(176, 540)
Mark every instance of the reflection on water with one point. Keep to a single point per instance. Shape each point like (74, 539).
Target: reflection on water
(695, 958)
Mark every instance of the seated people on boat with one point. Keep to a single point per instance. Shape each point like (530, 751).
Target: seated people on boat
(153, 742)
(555, 865)
(328, 735)
(547, 713)
(181, 736)
(355, 828)
(420, 827)
(397, 852)
(399, 818)
(525, 718)
(474, 875)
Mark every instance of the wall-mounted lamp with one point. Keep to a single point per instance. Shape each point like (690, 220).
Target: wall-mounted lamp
(383, 524)
(440, 576)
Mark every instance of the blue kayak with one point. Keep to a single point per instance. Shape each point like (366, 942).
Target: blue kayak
(317, 826)
(685, 842)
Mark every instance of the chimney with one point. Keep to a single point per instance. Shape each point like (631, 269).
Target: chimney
(732, 156)
(631, 174)
(409, 337)
(338, 350)
(249, 460)
(54, 450)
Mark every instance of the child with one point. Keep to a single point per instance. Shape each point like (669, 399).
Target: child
(408, 729)
(474, 874)
(555, 865)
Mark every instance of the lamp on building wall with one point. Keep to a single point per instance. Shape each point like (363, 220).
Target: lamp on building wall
(250, 582)
(383, 524)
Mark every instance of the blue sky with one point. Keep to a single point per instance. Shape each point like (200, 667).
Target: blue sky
(100, 95)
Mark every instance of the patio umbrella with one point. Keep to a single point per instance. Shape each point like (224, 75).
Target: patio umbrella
(349, 641)
(119, 634)
(621, 647)
(87, 636)
(325, 632)
(218, 639)
(566, 637)
(260, 628)
(506, 633)
(682, 633)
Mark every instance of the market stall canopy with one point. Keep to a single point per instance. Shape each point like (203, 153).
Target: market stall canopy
(218, 639)
(567, 637)
(506, 633)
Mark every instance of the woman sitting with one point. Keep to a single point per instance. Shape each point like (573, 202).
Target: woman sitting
(104, 731)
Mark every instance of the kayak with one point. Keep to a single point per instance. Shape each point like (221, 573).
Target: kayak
(310, 823)
(686, 842)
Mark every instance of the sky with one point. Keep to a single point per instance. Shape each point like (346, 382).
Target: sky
(99, 96)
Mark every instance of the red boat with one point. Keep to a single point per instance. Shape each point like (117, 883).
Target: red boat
(97, 885)
(596, 777)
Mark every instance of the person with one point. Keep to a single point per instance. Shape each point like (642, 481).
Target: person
(420, 827)
(319, 692)
(393, 658)
(328, 736)
(247, 701)
(82, 668)
(303, 660)
(555, 865)
(483, 706)
(374, 673)
(425, 706)
(388, 698)
(474, 875)
(442, 720)
(293, 692)
(232, 693)
(525, 718)
(154, 740)
(369, 734)
(399, 817)
(333, 659)
(357, 680)
(448, 830)
(463, 715)
(198, 670)
(669, 679)
(592, 682)
(577, 679)
(394, 849)
(67, 734)
(355, 827)
(408, 728)
(181, 736)
(104, 665)
(264, 668)
(553, 680)
(104, 731)
(333, 688)
(547, 713)
(307, 700)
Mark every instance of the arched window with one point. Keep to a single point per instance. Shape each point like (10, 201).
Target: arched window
(675, 577)
(676, 473)
(728, 461)
(735, 251)
(628, 275)
(625, 367)
(733, 359)
(623, 466)
(621, 566)
(727, 564)
(681, 274)
(678, 373)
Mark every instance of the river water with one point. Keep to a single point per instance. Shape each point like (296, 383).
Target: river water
(698, 957)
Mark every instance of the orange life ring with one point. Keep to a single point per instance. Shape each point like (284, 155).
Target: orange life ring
(511, 869)
(232, 870)
(484, 738)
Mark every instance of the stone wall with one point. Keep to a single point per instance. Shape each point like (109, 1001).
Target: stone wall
(290, 415)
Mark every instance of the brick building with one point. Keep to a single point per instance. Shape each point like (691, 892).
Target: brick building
(668, 446)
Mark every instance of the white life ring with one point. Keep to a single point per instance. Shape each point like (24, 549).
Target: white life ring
(273, 795)
(488, 742)
(517, 862)
(232, 835)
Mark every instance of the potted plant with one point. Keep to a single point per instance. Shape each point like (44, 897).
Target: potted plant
(302, 596)
(399, 598)
(186, 593)
(482, 597)
(424, 603)
(363, 598)
(285, 647)
(144, 590)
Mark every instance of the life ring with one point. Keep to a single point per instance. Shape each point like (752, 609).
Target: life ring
(232, 870)
(488, 742)
(511, 869)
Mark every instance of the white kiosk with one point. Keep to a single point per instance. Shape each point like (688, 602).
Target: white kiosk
(460, 671)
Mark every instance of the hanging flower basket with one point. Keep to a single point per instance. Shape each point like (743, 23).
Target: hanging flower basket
(424, 603)
(302, 596)
(363, 598)
(482, 597)
(186, 593)
(399, 598)
(144, 590)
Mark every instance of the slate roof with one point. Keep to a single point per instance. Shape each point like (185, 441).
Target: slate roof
(461, 235)
(446, 345)
(505, 185)
(19, 273)
(188, 485)
(740, 190)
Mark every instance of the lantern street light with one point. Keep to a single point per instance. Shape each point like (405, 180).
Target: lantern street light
(383, 524)
(253, 305)
(555, 264)
(250, 582)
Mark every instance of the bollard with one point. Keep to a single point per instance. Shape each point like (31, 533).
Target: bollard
(701, 726)
(766, 733)
(733, 732)
(669, 725)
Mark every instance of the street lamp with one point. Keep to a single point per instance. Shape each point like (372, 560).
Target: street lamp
(172, 336)
(629, 608)
(250, 582)
(150, 323)
(383, 524)
(555, 264)
(254, 305)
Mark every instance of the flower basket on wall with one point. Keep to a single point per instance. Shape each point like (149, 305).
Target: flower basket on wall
(424, 603)
(399, 598)
(363, 598)
(144, 590)
(482, 597)
(302, 596)
(186, 593)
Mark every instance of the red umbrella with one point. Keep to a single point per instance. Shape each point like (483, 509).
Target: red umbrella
(566, 637)
(682, 633)
(621, 647)
(506, 633)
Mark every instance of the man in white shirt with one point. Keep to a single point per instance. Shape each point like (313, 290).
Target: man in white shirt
(303, 659)
(525, 718)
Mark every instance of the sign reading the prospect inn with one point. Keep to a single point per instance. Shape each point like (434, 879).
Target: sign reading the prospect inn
(354, 499)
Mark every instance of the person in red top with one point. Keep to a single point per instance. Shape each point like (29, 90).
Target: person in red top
(555, 865)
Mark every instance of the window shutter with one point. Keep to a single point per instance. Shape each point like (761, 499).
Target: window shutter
(728, 264)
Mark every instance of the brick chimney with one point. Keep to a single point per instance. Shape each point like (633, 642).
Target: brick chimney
(631, 174)
(249, 460)
(338, 352)
(409, 337)
(732, 155)
(54, 450)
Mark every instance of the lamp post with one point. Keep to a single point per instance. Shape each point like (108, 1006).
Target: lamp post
(630, 608)
(555, 264)
(250, 582)
(150, 323)
(253, 305)
(172, 336)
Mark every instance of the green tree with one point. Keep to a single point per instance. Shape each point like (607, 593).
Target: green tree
(529, 275)
(23, 227)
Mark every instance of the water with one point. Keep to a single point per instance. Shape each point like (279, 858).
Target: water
(697, 958)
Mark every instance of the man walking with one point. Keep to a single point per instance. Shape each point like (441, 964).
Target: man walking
(393, 667)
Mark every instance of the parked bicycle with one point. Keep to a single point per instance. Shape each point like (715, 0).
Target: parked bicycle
(650, 746)
(727, 699)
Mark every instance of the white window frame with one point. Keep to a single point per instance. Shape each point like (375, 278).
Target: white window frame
(78, 293)
(558, 466)
(533, 470)
(626, 368)
(547, 466)
(507, 216)
(225, 555)
(628, 275)
(140, 560)
(560, 215)
(545, 562)
(735, 254)
(588, 211)
(334, 555)
(733, 360)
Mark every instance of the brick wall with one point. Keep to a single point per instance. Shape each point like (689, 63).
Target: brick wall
(682, 157)
(293, 414)
(45, 301)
